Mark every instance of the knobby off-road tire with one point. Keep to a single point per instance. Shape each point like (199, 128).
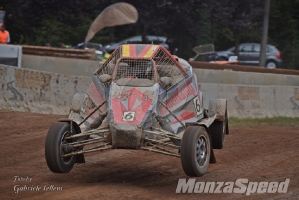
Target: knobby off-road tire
(218, 130)
(195, 151)
(54, 148)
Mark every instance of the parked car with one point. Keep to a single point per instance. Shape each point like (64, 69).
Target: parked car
(249, 54)
(150, 39)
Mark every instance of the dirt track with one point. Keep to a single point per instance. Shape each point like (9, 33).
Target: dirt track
(259, 154)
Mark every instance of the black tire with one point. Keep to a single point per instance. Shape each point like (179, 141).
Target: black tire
(218, 130)
(195, 151)
(54, 150)
(271, 64)
(224, 58)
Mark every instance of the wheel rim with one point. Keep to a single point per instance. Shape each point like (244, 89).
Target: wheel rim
(63, 151)
(201, 151)
(271, 65)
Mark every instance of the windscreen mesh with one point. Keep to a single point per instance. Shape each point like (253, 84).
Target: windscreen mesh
(168, 68)
(135, 68)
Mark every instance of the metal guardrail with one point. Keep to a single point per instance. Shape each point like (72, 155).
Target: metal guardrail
(88, 54)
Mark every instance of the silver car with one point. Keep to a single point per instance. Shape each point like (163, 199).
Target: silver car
(249, 54)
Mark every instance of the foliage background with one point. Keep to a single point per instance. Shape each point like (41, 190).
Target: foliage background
(223, 23)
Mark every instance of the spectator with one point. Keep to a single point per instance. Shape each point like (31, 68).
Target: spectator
(4, 35)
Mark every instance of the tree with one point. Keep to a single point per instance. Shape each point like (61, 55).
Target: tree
(284, 30)
(173, 18)
(34, 20)
(240, 17)
(192, 22)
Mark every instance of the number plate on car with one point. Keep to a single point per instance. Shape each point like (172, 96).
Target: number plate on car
(129, 116)
(197, 106)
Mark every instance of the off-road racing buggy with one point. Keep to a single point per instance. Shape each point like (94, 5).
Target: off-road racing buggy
(141, 98)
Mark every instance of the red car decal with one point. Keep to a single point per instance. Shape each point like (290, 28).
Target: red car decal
(179, 97)
(94, 94)
(132, 101)
(184, 116)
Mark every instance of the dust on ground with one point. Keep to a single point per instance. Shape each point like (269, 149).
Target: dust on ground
(259, 154)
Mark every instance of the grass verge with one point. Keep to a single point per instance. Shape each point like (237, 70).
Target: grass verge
(273, 121)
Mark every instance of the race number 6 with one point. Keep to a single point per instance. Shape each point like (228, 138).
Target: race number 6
(197, 106)
(129, 116)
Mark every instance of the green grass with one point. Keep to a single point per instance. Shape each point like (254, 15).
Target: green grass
(273, 121)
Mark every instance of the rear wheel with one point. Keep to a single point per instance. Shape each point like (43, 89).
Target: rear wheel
(56, 147)
(218, 130)
(195, 151)
(271, 64)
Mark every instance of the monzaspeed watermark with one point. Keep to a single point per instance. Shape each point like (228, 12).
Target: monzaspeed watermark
(240, 186)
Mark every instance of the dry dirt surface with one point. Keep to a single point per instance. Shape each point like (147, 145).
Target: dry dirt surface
(258, 154)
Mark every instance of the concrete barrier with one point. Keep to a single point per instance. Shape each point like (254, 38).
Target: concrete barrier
(52, 93)
(241, 68)
(77, 67)
(255, 101)
(245, 78)
(38, 91)
(67, 66)
(10, 55)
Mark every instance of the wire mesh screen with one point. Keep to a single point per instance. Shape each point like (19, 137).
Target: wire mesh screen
(167, 68)
(135, 68)
(108, 66)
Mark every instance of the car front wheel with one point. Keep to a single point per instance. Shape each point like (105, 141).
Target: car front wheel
(56, 147)
(195, 151)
